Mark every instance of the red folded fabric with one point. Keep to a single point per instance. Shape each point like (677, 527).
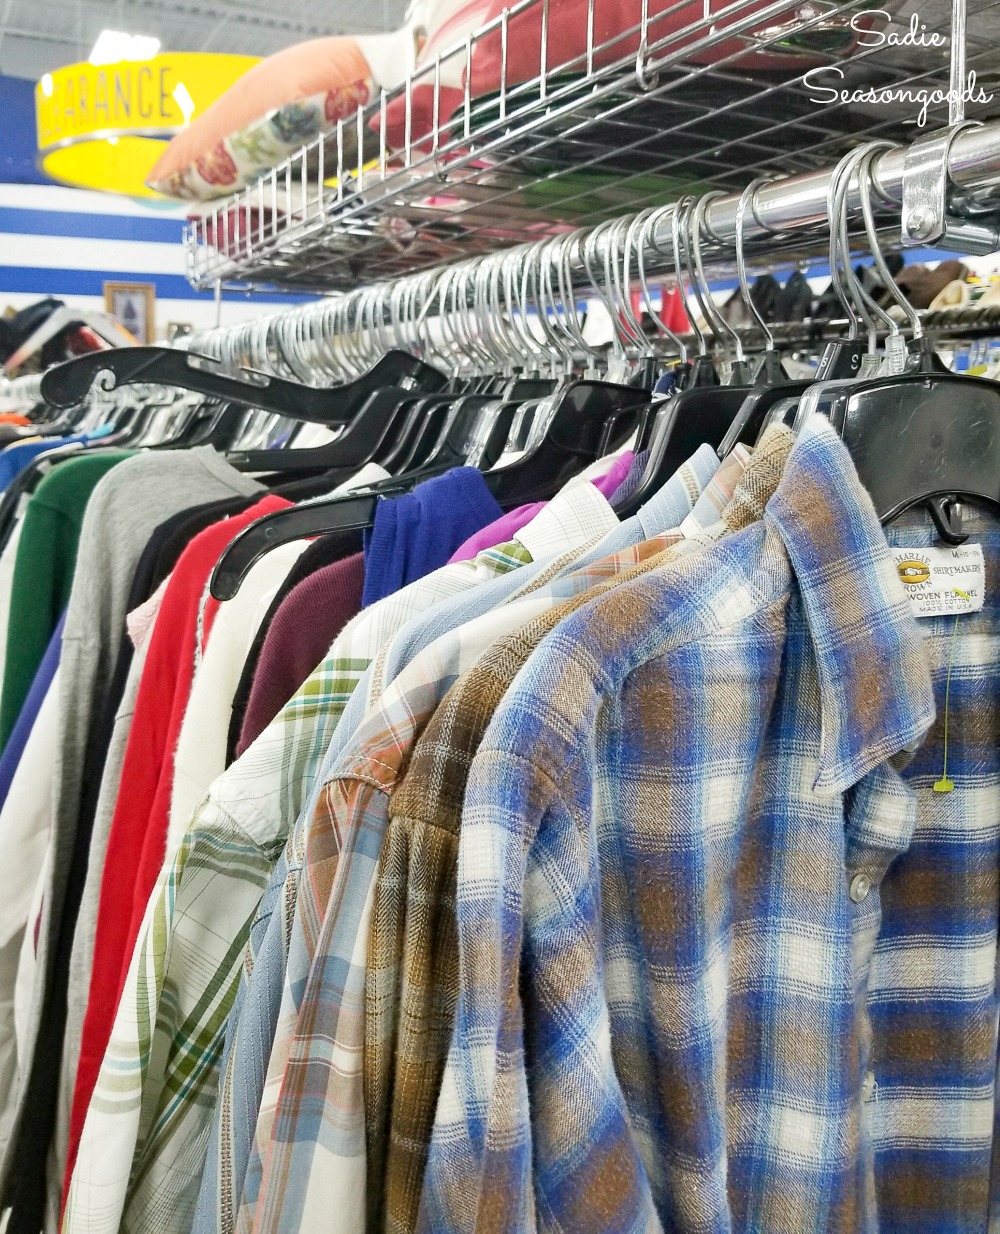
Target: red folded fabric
(138, 835)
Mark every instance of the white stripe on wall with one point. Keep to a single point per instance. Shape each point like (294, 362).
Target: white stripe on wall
(34, 262)
(54, 197)
(71, 253)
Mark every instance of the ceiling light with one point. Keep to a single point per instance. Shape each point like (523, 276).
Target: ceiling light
(113, 46)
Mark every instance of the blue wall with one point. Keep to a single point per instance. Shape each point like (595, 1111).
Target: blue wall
(17, 132)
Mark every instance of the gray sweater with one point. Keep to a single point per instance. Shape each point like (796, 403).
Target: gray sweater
(126, 507)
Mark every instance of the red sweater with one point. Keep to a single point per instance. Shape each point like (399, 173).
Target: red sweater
(138, 836)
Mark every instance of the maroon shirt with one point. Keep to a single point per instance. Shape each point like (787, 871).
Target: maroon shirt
(299, 637)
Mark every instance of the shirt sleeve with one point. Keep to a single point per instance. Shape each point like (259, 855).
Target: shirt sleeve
(528, 1120)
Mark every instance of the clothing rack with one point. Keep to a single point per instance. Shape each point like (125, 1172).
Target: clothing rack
(943, 189)
(544, 581)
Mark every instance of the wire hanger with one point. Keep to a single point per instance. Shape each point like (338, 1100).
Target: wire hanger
(703, 411)
(925, 436)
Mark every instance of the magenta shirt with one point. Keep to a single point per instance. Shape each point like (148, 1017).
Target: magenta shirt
(507, 527)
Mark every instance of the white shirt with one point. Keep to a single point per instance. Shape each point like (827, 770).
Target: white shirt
(201, 746)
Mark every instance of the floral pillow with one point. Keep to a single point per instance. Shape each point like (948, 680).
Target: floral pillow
(277, 107)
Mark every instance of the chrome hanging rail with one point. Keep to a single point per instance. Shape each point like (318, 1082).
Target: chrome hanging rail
(944, 188)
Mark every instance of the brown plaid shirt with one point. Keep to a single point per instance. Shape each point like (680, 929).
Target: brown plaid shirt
(412, 975)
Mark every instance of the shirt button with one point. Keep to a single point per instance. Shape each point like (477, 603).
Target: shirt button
(860, 887)
(868, 1087)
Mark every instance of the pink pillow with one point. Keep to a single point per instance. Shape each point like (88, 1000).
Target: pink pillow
(277, 107)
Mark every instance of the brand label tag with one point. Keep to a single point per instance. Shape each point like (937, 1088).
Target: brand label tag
(940, 582)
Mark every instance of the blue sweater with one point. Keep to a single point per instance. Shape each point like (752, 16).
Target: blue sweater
(418, 532)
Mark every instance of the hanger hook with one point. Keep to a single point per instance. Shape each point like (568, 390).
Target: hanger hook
(478, 338)
(631, 325)
(562, 248)
(836, 278)
(866, 305)
(552, 325)
(716, 322)
(677, 219)
(423, 328)
(515, 284)
(448, 319)
(486, 326)
(872, 150)
(612, 281)
(845, 282)
(745, 202)
(532, 299)
(588, 250)
(646, 238)
(503, 311)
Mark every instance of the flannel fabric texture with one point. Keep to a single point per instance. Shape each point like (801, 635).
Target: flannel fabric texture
(573, 518)
(412, 963)
(657, 1025)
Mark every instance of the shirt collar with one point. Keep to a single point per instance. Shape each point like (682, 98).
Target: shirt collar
(576, 515)
(668, 507)
(874, 677)
(718, 493)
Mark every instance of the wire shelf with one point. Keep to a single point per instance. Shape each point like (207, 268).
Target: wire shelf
(696, 96)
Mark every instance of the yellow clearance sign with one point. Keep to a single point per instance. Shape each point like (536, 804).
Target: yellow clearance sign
(103, 126)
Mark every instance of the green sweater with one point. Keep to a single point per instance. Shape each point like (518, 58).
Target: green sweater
(43, 570)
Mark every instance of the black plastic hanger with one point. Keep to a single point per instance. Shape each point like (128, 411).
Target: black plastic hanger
(527, 387)
(302, 522)
(67, 385)
(570, 440)
(346, 511)
(698, 415)
(442, 446)
(927, 437)
(375, 423)
(840, 361)
(425, 418)
(216, 423)
(702, 412)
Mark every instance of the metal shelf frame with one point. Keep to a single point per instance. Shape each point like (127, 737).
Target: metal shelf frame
(698, 95)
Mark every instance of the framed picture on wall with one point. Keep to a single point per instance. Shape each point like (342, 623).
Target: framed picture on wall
(134, 304)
